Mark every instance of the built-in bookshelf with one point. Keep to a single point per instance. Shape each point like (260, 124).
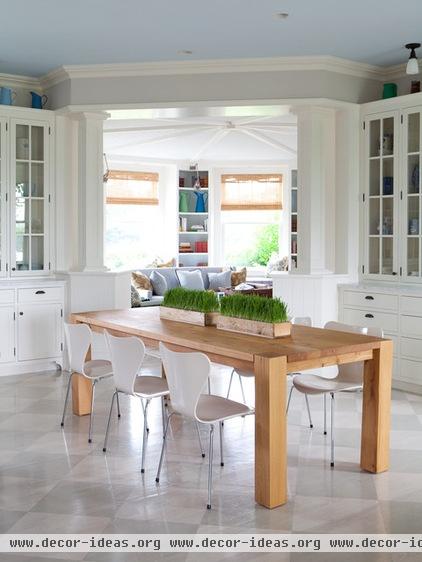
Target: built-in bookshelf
(293, 220)
(193, 218)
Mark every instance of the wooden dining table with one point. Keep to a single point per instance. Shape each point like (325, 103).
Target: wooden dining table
(271, 360)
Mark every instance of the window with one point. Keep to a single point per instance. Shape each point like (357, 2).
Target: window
(251, 212)
(133, 236)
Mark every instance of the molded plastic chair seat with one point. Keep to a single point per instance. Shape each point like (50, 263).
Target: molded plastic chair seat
(314, 384)
(98, 369)
(150, 387)
(211, 408)
(153, 352)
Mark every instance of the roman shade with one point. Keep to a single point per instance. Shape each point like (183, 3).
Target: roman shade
(132, 188)
(251, 192)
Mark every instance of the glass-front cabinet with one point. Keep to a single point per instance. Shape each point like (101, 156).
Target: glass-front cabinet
(3, 197)
(381, 196)
(30, 197)
(411, 196)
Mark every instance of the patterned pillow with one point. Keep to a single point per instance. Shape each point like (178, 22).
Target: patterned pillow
(141, 281)
(135, 299)
(239, 277)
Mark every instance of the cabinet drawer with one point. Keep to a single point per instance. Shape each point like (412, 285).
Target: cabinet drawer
(384, 320)
(411, 348)
(410, 371)
(7, 296)
(40, 294)
(371, 300)
(411, 305)
(411, 326)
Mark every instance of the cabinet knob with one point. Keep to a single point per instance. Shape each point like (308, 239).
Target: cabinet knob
(369, 315)
(394, 273)
(369, 298)
(40, 292)
(20, 313)
(13, 268)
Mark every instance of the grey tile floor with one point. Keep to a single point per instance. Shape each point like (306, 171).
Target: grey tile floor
(52, 480)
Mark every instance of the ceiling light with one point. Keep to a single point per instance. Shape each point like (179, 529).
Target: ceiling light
(184, 52)
(412, 64)
(281, 15)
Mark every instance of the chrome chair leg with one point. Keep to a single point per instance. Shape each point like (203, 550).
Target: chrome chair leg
(163, 413)
(325, 414)
(210, 465)
(118, 405)
(311, 425)
(115, 395)
(332, 429)
(288, 401)
(67, 398)
(230, 383)
(221, 445)
(200, 439)
(241, 388)
(157, 478)
(144, 440)
(91, 417)
(143, 409)
(209, 385)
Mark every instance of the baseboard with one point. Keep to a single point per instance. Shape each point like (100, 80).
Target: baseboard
(407, 387)
(25, 367)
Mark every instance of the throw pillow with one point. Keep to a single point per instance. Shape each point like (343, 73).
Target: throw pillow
(135, 300)
(238, 277)
(141, 281)
(159, 283)
(191, 280)
(219, 280)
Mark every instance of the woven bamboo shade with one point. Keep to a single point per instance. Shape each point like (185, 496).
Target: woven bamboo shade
(251, 192)
(132, 188)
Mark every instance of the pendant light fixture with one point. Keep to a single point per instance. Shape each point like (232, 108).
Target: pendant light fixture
(412, 64)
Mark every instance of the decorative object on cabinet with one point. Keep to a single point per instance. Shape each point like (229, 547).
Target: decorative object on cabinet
(415, 178)
(389, 90)
(183, 202)
(388, 185)
(200, 202)
(415, 87)
(7, 96)
(38, 101)
(412, 64)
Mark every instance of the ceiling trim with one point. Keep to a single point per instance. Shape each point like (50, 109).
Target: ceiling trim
(17, 81)
(168, 68)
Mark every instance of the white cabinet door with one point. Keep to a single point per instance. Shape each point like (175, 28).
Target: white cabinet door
(381, 196)
(7, 331)
(39, 331)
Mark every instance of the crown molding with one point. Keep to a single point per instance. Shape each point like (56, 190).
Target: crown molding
(17, 81)
(172, 68)
(217, 66)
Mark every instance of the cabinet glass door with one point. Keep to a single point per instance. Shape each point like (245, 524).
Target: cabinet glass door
(29, 182)
(3, 191)
(412, 196)
(381, 196)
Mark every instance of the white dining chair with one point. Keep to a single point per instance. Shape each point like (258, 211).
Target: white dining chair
(298, 320)
(127, 355)
(187, 373)
(348, 379)
(78, 341)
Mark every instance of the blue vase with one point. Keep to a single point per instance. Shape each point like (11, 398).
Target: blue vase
(200, 202)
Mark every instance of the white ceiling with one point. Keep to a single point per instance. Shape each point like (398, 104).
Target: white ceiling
(219, 135)
(39, 36)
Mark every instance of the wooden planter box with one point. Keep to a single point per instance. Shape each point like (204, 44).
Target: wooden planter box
(254, 327)
(189, 316)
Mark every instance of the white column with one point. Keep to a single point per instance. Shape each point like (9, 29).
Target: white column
(90, 191)
(316, 195)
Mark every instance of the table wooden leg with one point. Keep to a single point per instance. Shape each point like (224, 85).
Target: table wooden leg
(375, 439)
(82, 392)
(270, 431)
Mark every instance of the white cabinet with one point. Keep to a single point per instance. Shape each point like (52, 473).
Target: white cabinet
(39, 331)
(398, 311)
(7, 339)
(31, 325)
(26, 172)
